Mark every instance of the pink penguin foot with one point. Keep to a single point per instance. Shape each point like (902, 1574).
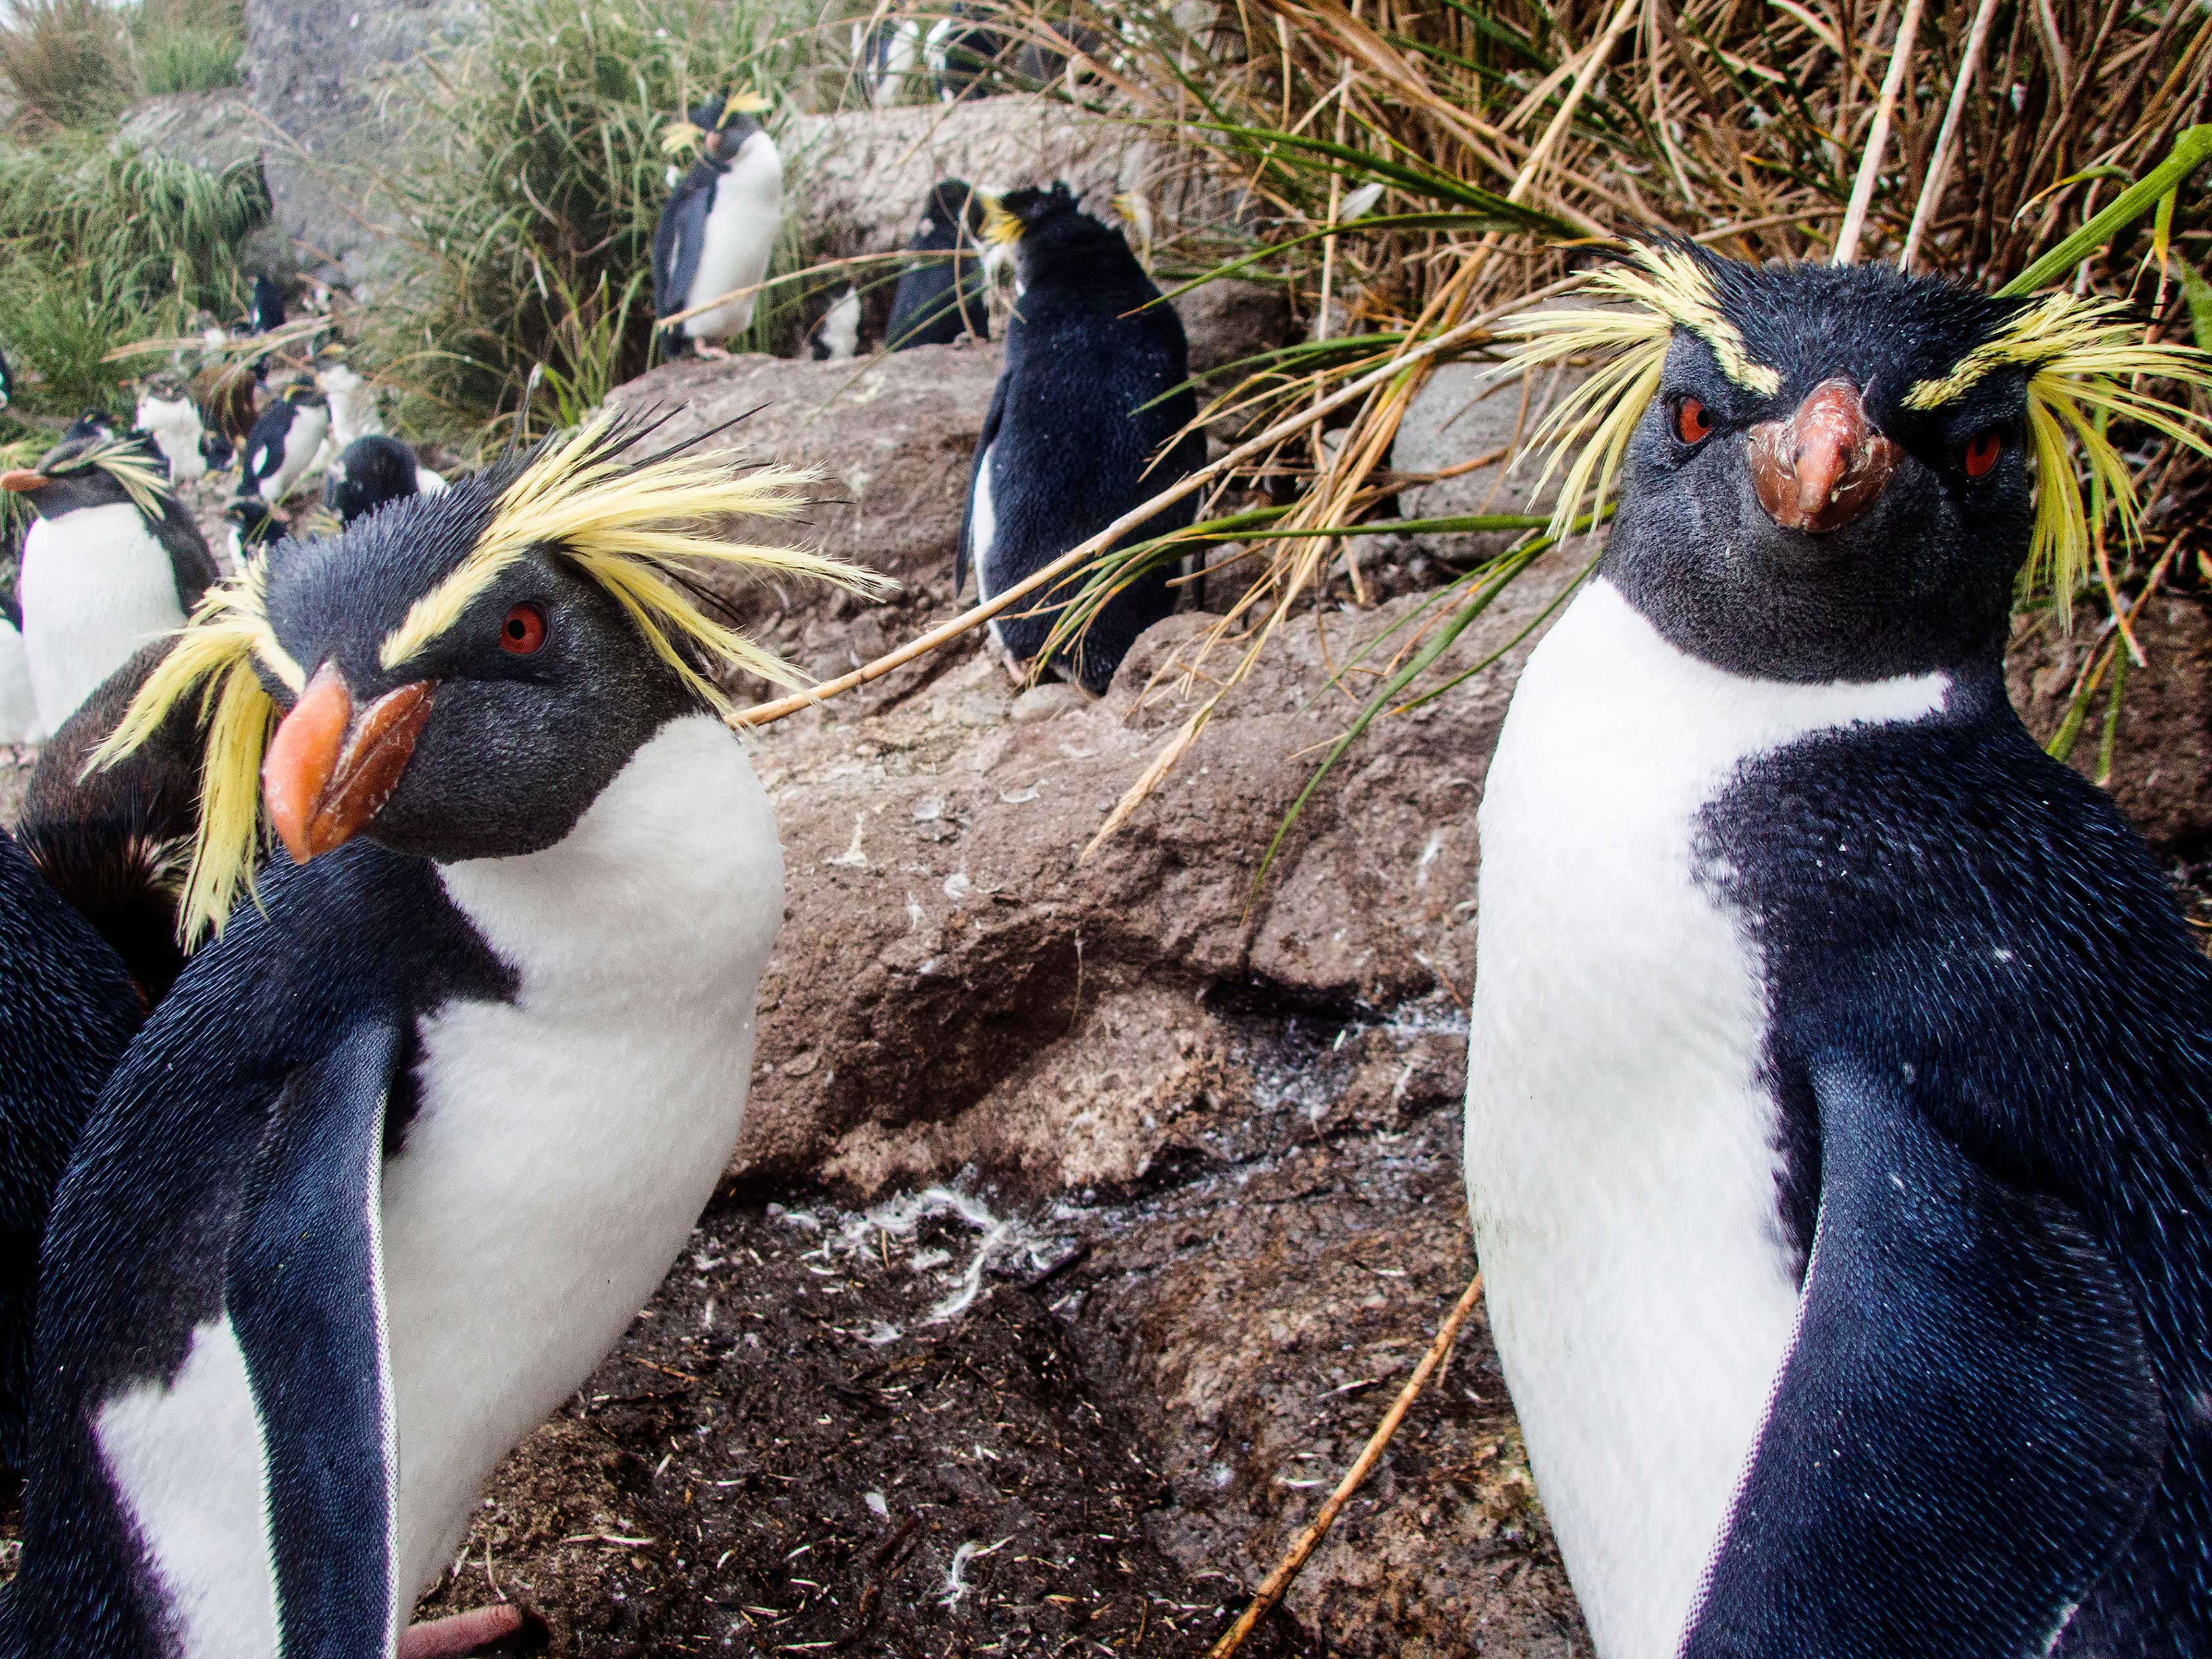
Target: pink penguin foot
(463, 1633)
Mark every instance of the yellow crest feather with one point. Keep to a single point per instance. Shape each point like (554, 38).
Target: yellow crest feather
(1001, 227)
(681, 138)
(749, 103)
(144, 480)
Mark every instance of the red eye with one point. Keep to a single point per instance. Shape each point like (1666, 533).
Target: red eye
(1982, 452)
(523, 631)
(1692, 424)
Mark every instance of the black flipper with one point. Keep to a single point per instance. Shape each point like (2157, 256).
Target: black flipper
(960, 559)
(678, 240)
(1936, 1294)
(305, 1292)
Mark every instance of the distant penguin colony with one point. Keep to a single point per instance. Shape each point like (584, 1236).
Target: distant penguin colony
(944, 296)
(110, 562)
(718, 228)
(268, 1405)
(1088, 421)
(1836, 1124)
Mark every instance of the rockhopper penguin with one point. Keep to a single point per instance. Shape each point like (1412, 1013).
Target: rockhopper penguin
(111, 561)
(943, 295)
(286, 438)
(409, 1144)
(372, 470)
(718, 230)
(1091, 393)
(67, 1012)
(1837, 1121)
(168, 414)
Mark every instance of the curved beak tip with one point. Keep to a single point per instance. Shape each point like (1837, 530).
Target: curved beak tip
(22, 480)
(1823, 466)
(329, 769)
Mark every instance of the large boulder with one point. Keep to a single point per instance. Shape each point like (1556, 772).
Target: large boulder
(1468, 418)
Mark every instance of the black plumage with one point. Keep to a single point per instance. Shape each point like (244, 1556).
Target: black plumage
(963, 49)
(266, 313)
(1083, 427)
(943, 296)
(67, 1012)
(372, 470)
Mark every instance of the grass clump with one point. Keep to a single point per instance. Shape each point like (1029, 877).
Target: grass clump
(529, 219)
(187, 45)
(66, 63)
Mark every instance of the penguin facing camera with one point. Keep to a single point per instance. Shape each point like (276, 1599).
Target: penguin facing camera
(351, 398)
(252, 527)
(372, 470)
(169, 414)
(412, 1141)
(1837, 1143)
(837, 336)
(940, 298)
(18, 703)
(1083, 427)
(110, 562)
(114, 841)
(886, 55)
(284, 442)
(67, 1012)
(718, 230)
(962, 50)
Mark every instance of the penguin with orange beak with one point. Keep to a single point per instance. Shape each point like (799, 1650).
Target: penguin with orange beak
(414, 1136)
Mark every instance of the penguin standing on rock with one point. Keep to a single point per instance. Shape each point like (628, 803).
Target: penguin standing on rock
(67, 1012)
(944, 296)
(1084, 406)
(284, 442)
(409, 1144)
(1837, 1125)
(372, 471)
(718, 230)
(111, 561)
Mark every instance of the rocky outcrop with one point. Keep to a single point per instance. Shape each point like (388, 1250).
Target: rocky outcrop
(1467, 420)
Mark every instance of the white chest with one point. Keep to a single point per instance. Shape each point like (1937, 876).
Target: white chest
(352, 407)
(567, 1142)
(95, 586)
(176, 430)
(738, 239)
(1621, 1157)
(19, 703)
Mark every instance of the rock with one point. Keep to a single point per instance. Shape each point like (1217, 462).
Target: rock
(956, 987)
(314, 70)
(1227, 321)
(211, 129)
(895, 435)
(2162, 760)
(1464, 412)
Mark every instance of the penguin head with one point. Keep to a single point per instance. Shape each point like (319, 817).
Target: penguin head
(97, 470)
(1047, 237)
(374, 471)
(303, 394)
(955, 208)
(253, 526)
(459, 675)
(1825, 472)
(716, 130)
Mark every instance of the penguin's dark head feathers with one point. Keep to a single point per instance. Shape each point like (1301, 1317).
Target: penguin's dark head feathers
(374, 471)
(99, 469)
(955, 206)
(1825, 470)
(459, 675)
(1053, 241)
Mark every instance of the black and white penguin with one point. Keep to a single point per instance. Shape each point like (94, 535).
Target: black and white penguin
(19, 701)
(408, 1146)
(67, 1012)
(110, 562)
(886, 55)
(284, 442)
(374, 471)
(7, 382)
(1084, 406)
(351, 398)
(1837, 1133)
(718, 231)
(265, 314)
(961, 49)
(943, 296)
(837, 336)
(169, 414)
(252, 527)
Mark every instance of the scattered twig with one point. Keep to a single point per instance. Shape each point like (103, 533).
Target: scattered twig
(1303, 1546)
(1900, 59)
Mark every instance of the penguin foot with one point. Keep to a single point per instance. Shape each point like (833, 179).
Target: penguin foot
(713, 353)
(463, 1633)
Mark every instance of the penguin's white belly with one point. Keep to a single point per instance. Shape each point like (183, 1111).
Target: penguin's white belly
(352, 412)
(739, 237)
(176, 431)
(982, 534)
(1622, 1155)
(567, 1142)
(19, 703)
(95, 586)
(186, 1461)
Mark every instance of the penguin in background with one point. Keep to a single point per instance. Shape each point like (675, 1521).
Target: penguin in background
(962, 50)
(408, 1146)
(169, 414)
(942, 297)
(1090, 417)
(886, 52)
(718, 230)
(837, 336)
(19, 701)
(110, 562)
(1836, 1134)
(67, 1012)
(351, 398)
(253, 527)
(284, 442)
(372, 470)
(265, 313)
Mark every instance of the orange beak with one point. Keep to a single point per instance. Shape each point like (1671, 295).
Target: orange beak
(328, 770)
(22, 480)
(1822, 467)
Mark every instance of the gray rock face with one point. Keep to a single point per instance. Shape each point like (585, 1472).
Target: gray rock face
(316, 72)
(1465, 413)
(211, 130)
(1230, 320)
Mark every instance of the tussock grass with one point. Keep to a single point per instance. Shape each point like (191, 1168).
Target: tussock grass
(66, 63)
